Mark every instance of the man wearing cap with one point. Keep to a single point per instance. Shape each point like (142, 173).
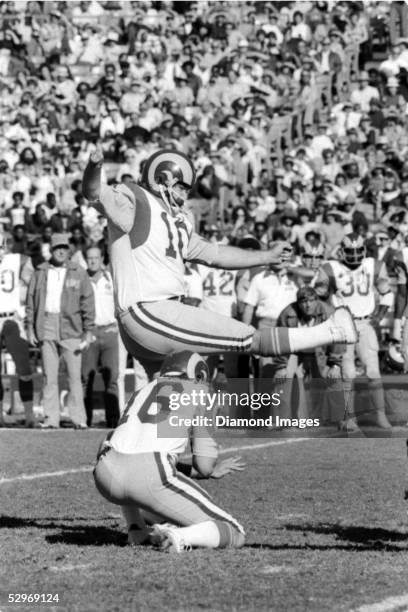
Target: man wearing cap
(364, 93)
(61, 319)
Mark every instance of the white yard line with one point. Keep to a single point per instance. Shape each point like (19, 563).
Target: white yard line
(45, 474)
(89, 468)
(391, 604)
(234, 449)
(70, 568)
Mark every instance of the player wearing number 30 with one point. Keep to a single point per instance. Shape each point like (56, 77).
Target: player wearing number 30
(362, 284)
(150, 239)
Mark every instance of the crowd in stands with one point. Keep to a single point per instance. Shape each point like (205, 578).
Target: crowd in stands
(216, 80)
(294, 113)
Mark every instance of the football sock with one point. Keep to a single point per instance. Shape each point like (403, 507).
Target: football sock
(26, 389)
(284, 341)
(212, 534)
(205, 535)
(376, 394)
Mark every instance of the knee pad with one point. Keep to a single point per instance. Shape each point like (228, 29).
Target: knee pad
(26, 388)
(230, 536)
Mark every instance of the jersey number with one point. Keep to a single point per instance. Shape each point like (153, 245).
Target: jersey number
(176, 243)
(360, 285)
(211, 290)
(162, 402)
(7, 282)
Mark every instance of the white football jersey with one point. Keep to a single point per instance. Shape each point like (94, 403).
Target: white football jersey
(152, 423)
(192, 283)
(10, 283)
(147, 259)
(355, 288)
(219, 293)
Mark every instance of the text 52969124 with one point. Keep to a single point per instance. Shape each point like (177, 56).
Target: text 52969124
(40, 598)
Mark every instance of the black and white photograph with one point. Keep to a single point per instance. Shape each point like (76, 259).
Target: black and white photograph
(204, 306)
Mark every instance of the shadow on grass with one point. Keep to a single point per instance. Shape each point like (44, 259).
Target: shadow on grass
(80, 535)
(88, 536)
(350, 537)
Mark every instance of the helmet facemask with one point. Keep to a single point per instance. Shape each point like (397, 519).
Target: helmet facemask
(173, 191)
(312, 261)
(352, 250)
(312, 256)
(353, 256)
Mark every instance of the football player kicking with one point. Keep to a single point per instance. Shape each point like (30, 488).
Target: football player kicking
(362, 284)
(15, 274)
(137, 465)
(150, 239)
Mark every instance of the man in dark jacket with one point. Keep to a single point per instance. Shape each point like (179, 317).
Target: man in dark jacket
(61, 319)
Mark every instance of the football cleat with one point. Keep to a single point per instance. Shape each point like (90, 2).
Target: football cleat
(168, 538)
(185, 365)
(352, 250)
(342, 326)
(349, 425)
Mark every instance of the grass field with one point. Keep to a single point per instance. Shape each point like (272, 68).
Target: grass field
(325, 519)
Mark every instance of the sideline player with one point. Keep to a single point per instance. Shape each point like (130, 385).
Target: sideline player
(137, 465)
(355, 281)
(150, 239)
(15, 273)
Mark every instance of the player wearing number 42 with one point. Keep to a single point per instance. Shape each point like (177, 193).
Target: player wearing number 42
(362, 284)
(150, 238)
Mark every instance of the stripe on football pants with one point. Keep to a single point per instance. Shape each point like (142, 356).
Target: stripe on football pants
(173, 483)
(148, 321)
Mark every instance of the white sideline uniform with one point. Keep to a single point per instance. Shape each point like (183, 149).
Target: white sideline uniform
(361, 289)
(218, 288)
(148, 246)
(137, 461)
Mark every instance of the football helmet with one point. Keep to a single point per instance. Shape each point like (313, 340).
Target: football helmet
(166, 169)
(185, 365)
(352, 250)
(394, 358)
(312, 256)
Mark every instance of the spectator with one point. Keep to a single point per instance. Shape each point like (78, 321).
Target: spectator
(103, 352)
(60, 317)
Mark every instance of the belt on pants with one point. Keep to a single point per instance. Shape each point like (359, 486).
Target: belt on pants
(175, 298)
(110, 327)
